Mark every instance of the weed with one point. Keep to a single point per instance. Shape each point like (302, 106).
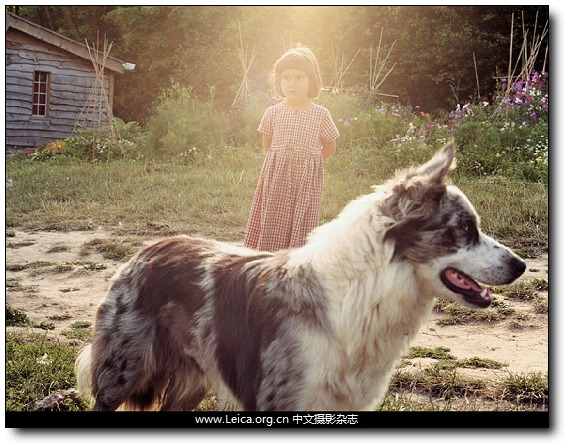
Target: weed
(81, 324)
(58, 249)
(476, 362)
(14, 284)
(437, 382)
(444, 364)
(19, 244)
(456, 314)
(110, 249)
(30, 265)
(527, 389)
(90, 266)
(44, 325)
(541, 306)
(212, 196)
(434, 353)
(524, 290)
(15, 317)
(69, 289)
(35, 368)
(61, 317)
(62, 268)
(78, 333)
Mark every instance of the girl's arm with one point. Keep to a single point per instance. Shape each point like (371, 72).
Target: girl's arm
(328, 148)
(267, 139)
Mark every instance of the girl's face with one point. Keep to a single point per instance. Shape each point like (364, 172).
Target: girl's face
(295, 86)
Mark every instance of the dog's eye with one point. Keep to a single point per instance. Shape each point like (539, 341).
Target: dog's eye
(471, 231)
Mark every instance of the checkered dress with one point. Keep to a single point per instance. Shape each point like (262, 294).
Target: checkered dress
(286, 206)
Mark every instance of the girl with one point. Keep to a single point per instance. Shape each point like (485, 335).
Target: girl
(297, 136)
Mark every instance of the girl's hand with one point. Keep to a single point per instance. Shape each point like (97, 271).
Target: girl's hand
(328, 148)
(267, 139)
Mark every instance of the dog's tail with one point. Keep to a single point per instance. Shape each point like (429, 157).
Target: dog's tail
(83, 373)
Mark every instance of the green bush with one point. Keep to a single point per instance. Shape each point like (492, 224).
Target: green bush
(15, 317)
(180, 123)
(491, 147)
(508, 136)
(121, 141)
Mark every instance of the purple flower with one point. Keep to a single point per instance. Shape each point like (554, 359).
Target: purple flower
(346, 120)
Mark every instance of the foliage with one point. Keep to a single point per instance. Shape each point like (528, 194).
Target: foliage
(109, 248)
(122, 141)
(181, 124)
(502, 137)
(196, 46)
(527, 101)
(532, 388)
(35, 368)
(508, 136)
(15, 317)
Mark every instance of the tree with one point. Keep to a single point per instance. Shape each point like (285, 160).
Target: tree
(436, 48)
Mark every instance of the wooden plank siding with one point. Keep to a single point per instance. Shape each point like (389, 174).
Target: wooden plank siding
(71, 89)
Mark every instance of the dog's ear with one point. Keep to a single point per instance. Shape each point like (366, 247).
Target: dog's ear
(415, 200)
(420, 186)
(438, 167)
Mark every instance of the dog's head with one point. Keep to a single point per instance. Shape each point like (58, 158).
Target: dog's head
(436, 228)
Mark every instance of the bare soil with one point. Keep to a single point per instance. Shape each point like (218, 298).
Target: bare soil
(66, 286)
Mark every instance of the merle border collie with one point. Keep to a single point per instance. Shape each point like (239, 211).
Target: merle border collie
(317, 328)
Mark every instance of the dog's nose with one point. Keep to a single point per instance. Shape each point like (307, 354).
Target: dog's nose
(519, 266)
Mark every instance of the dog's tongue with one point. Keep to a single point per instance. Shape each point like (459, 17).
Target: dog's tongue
(460, 280)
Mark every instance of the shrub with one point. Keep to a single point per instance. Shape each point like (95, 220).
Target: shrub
(509, 136)
(15, 317)
(180, 122)
(122, 141)
(526, 102)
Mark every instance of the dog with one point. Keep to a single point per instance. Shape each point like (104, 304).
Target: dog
(317, 328)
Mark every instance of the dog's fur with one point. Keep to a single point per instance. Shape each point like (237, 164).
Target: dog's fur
(314, 328)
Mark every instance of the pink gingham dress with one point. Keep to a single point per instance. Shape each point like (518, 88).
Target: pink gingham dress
(286, 205)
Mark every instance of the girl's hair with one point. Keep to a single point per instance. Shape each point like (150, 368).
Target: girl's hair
(301, 59)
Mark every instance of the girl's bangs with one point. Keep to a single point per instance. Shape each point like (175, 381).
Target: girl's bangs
(293, 61)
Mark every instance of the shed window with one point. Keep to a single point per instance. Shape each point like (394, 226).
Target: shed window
(40, 88)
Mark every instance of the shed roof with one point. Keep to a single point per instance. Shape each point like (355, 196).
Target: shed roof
(56, 39)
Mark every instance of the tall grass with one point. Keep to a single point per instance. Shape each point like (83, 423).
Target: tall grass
(211, 194)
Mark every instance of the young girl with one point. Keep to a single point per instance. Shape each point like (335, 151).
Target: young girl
(297, 136)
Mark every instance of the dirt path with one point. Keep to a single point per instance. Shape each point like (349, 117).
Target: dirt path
(64, 286)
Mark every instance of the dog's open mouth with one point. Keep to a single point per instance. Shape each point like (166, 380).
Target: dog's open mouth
(459, 282)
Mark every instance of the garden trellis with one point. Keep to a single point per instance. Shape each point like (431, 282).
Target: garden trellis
(97, 112)
(246, 59)
(340, 69)
(376, 77)
(524, 65)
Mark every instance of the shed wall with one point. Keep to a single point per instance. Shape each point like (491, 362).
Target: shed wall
(71, 99)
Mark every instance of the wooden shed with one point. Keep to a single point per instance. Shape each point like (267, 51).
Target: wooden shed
(52, 84)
